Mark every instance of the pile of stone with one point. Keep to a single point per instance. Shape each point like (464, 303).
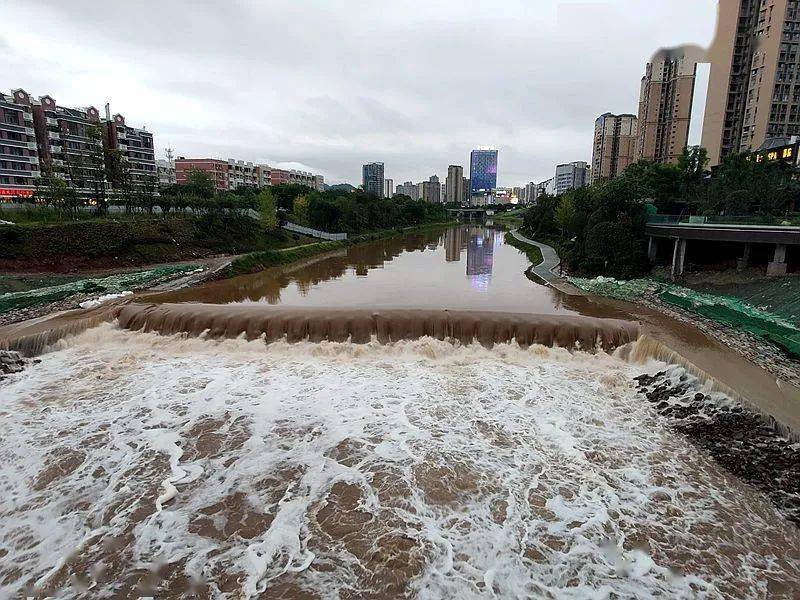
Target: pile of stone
(745, 442)
(10, 363)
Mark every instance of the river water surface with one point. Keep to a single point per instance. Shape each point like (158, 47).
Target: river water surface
(136, 465)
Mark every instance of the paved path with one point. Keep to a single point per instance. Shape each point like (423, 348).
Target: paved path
(547, 269)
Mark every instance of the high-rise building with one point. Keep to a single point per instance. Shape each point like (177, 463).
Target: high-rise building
(19, 156)
(531, 194)
(665, 106)
(388, 188)
(752, 92)
(432, 190)
(571, 176)
(615, 138)
(408, 189)
(467, 191)
(454, 185)
(483, 170)
(372, 179)
(319, 183)
(547, 187)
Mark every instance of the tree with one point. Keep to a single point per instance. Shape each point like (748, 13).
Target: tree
(146, 193)
(200, 184)
(96, 168)
(300, 211)
(118, 174)
(267, 209)
(565, 213)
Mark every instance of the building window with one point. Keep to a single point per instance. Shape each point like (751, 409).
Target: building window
(11, 118)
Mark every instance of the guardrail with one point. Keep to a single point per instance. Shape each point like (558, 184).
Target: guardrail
(792, 221)
(315, 233)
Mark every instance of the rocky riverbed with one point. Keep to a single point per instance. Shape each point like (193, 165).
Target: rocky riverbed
(743, 441)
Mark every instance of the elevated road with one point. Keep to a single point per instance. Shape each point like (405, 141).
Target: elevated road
(780, 236)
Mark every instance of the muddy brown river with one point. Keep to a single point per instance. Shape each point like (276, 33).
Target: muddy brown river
(136, 464)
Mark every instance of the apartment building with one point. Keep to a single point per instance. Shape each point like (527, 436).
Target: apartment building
(615, 138)
(372, 179)
(454, 185)
(432, 190)
(665, 106)
(19, 156)
(242, 174)
(547, 187)
(264, 175)
(70, 142)
(754, 89)
(571, 176)
(388, 188)
(531, 193)
(284, 176)
(409, 189)
(136, 147)
(216, 169)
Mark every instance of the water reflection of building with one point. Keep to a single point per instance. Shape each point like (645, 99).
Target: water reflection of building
(455, 241)
(480, 257)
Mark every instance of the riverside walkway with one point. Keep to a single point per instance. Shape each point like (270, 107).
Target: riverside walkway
(546, 270)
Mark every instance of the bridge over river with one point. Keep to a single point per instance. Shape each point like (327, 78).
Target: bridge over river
(779, 238)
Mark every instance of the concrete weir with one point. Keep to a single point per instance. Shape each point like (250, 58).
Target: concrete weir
(360, 326)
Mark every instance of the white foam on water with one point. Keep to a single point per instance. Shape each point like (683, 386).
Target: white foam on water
(420, 468)
(100, 300)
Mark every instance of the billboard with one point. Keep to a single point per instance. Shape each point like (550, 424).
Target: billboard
(786, 154)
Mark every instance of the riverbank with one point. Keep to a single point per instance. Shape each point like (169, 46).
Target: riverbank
(763, 339)
(130, 241)
(746, 366)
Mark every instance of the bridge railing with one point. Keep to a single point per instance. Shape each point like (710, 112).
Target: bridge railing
(790, 221)
(316, 233)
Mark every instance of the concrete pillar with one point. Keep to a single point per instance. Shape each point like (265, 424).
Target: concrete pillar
(678, 259)
(778, 265)
(652, 249)
(744, 262)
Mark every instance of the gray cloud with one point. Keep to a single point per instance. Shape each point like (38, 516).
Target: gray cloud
(334, 84)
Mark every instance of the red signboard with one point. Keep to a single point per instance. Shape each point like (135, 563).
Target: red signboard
(11, 193)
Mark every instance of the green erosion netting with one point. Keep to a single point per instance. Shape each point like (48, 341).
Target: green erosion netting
(780, 296)
(113, 284)
(726, 310)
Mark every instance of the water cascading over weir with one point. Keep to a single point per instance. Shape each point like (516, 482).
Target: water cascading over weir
(253, 321)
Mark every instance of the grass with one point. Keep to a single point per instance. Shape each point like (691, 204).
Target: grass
(258, 261)
(510, 216)
(532, 252)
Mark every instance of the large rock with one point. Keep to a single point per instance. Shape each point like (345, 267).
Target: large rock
(10, 362)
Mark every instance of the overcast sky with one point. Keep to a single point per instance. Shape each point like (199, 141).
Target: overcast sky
(327, 85)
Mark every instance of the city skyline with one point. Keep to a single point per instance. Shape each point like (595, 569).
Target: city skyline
(218, 109)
